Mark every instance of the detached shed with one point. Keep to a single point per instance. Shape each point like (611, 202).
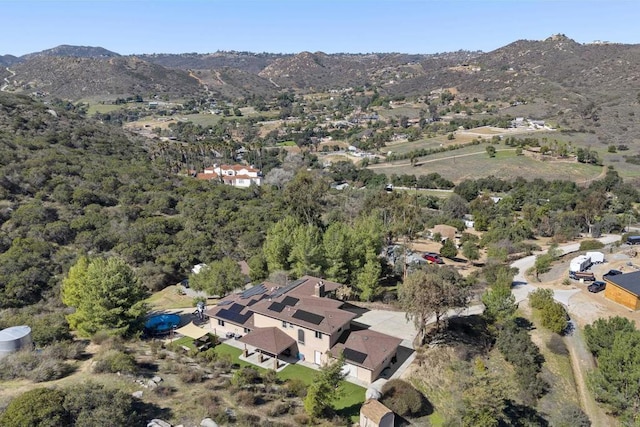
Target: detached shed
(624, 289)
(375, 414)
(13, 339)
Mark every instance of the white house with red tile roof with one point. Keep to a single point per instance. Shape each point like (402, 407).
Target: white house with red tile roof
(303, 319)
(235, 175)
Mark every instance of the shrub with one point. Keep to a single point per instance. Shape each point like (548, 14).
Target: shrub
(112, 361)
(281, 409)
(49, 370)
(189, 375)
(100, 337)
(248, 420)
(571, 416)
(540, 298)
(64, 350)
(164, 390)
(591, 244)
(247, 398)
(37, 407)
(402, 398)
(208, 355)
(245, 376)
(296, 387)
(301, 419)
(555, 317)
(18, 365)
(270, 377)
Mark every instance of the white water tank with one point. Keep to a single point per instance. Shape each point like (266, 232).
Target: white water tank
(13, 339)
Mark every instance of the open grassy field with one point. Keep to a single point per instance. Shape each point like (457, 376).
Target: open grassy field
(102, 108)
(169, 298)
(461, 165)
(506, 165)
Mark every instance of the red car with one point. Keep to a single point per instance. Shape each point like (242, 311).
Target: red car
(432, 258)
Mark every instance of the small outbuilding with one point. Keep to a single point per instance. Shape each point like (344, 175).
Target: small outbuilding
(624, 289)
(14, 339)
(375, 414)
(446, 231)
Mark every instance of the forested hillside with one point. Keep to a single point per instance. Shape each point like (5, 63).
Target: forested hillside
(70, 185)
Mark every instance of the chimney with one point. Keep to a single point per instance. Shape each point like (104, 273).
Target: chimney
(318, 289)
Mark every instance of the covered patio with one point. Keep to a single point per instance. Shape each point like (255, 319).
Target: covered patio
(271, 346)
(200, 336)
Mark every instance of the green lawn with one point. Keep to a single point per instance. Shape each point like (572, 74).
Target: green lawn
(348, 405)
(286, 144)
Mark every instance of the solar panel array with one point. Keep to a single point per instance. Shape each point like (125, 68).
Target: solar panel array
(289, 287)
(308, 317)
(234, 317)
(236, 308)
(277, 307)
(256, 290)
(354, 355)
(290, 301)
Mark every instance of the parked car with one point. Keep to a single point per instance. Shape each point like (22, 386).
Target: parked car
(432, 258)
(611, 273)
(597, 286)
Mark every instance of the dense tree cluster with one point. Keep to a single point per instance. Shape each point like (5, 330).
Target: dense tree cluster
(616, 381)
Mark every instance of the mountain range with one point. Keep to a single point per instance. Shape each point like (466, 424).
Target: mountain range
(593, 86)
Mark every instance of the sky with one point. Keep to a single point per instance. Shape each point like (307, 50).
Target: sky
(292, 26)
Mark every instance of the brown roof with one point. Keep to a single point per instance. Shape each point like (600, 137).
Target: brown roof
(272, 340)
(318, 314)
(445, 231)
(308, 285)
(374, 410)
(299, 306)
(373, 346)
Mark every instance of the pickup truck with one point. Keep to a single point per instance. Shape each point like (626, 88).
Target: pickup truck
(587, 276)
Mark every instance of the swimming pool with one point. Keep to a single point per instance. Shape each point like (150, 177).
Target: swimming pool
(162, 323)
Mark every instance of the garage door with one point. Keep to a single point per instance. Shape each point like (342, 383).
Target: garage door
(350, 370)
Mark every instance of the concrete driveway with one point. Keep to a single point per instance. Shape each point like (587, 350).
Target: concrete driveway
(392, 323)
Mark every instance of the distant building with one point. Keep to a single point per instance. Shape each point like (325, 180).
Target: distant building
(234, 175)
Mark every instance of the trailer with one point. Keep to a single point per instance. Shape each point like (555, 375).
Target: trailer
(580, 263)
(633, 240)
(586, 276)
(596, 257)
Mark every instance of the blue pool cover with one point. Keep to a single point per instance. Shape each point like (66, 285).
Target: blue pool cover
(162, 323)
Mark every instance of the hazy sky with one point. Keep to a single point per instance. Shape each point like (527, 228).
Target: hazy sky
(290, 26)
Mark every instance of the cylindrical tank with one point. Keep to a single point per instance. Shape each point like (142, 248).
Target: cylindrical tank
(13, 339)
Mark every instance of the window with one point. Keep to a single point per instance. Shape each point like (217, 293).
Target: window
(300, 336)
(318, 334)
(220, 322)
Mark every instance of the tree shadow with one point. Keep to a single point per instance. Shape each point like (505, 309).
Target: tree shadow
(523, 416)
(523, 323)
(470, 335)
(148, 411)
(349, 411)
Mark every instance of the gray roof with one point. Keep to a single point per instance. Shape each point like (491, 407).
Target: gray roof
(628, 281)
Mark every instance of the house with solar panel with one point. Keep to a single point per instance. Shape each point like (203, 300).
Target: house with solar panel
(303, 320)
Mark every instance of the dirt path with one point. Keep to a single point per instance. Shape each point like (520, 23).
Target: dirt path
(582, 362)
